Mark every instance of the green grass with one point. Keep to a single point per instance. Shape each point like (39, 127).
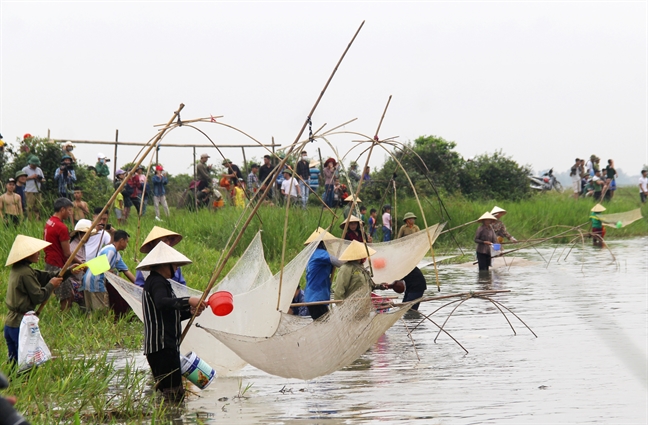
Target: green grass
(82, 385)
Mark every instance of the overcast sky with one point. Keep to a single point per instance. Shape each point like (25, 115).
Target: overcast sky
(545, 82)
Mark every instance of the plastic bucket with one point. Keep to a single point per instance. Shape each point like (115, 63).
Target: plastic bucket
(196, 370)
(497, 246)
(219, 203)
(221, 303)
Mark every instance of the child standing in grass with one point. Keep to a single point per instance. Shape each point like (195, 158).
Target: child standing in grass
(11, 210)
(386, 223)
(239, 195)
(373, 223)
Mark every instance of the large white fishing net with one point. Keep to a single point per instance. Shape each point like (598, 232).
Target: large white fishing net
(305, 349)
(395, 259)
(624, 218)
(251, 271)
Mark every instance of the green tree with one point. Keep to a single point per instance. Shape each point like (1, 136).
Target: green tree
(494, 176)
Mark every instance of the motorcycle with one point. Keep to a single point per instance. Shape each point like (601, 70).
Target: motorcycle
(546, 182)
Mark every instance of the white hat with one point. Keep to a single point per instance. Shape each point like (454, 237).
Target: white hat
(487, 216)
(314, 164)
(350, 198)
(598, 208)
(159, 233)
(356, 251)
(101, 156)
(82, 225)
(162, 254)
(497, 209)
(23, 247)
(68, 143)
(316, 234)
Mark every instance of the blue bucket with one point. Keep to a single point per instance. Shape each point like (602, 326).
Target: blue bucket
(196, 370)
(497, 246)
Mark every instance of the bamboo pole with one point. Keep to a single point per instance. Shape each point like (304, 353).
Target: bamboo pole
(220, 268)
(85, 237)
(141, 208)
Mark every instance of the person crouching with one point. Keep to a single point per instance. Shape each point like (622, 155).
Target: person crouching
(163, 313)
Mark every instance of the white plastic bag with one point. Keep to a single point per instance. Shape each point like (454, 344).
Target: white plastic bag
(32, 350)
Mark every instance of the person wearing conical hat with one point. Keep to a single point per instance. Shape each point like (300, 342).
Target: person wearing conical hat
(347, 207)
(26, 287)
(598, 231)
(163, 313)
(498, 227)
(353, 276)
(318, 274)
(355, 231)
(409, 228)
(484, 238)
(156, 235)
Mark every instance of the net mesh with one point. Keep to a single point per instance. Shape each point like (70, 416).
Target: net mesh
(255, 304)
(395, 259)
(624, 218)
(305, 349)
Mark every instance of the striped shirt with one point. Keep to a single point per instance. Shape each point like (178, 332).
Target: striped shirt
(94, 283)
(163, 312)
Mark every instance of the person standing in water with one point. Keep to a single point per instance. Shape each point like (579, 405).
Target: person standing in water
(485, 238)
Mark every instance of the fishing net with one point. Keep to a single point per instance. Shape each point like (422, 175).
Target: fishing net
(251, 271)
(625, 218)
(395, 259)
(305, 349)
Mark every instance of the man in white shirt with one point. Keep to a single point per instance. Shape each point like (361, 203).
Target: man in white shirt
(590, 165)
(643, 186)
(35, 177)
(100, 239)
(289, 187)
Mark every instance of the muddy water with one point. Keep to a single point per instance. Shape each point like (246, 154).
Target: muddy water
(587, 365)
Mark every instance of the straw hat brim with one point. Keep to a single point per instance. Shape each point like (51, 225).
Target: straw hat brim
(316, 234)
(497, 209)
(350, 199)
(352, 219)
(487, 216)
(356, 251)
(598, 208)
(159, 233)
(314, 164)
(163, 254)
(23, 247)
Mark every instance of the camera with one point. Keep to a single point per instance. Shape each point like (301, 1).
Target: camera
(108, 226)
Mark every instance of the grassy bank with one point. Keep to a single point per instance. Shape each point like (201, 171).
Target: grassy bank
(83, 384)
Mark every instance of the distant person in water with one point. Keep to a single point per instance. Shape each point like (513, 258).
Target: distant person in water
(598, 231)
(409, 228)
(485, 238)
(498, 227)
(318, 274)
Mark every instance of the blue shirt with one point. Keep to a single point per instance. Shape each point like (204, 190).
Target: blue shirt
(318, 277)
(94, 283)
(178, 277)
(64, 179)
(158, 188)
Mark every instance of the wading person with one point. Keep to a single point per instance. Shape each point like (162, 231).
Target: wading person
(484, 238)
(498, 227)
(415, 286)
(353, 276)
(11, 211)
(355, 232)
(57, 253)
(155, 236)
(26, 287)
(318, 274)
(598, 231)
(163, 313)
(409, 228)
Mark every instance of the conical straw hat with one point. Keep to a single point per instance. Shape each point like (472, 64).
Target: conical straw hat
(497, 209)
(163, 254)
(316, 234)
(23, 247)
(598, 208)
(352, 219)
(158, 233)
(350, 199)
(356, 251)
(487, 216)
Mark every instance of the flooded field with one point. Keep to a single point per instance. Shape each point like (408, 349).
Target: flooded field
(587, 365)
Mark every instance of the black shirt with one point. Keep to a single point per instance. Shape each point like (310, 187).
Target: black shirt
(162, 313)
(265, 171)
(234, 169)
(303, 170)
(415, 281)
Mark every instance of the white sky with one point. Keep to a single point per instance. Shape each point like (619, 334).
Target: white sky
(545, 82)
